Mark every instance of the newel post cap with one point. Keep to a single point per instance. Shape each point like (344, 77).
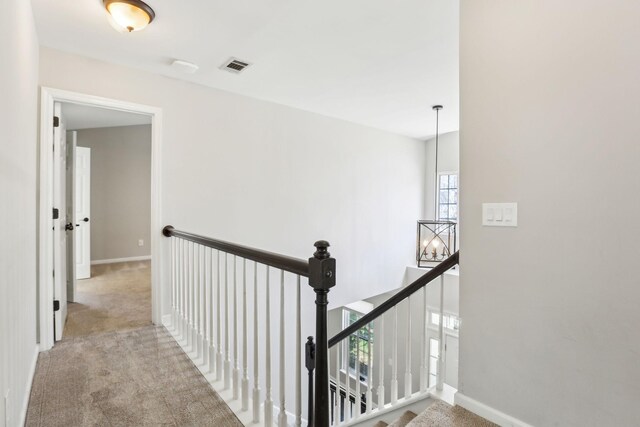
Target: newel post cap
(167, 230)
(322, 268)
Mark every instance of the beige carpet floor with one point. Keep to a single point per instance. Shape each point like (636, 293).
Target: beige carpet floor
(113, 368)
(441, 414)
(116, 297)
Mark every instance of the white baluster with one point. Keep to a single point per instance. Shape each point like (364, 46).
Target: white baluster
(198, 299)
(227, 347)
(440, 374)
(298, 422)
(380, 334)
(236, 359)
(336, 404)
(424, 340)
(256, 358)
(369, 396)
(268, 403)
(205, 308)
(191, 341)
(210, 286)
(194, 308)
(183, 292)
(394, 359)
(358, 400)
(219, 367)
(203, 304)
(407, 371)
(347, 400)
(245, 347)
(173, 283)
(282, 416)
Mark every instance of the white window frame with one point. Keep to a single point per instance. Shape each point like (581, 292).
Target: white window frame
(345, 347)
(440, 174)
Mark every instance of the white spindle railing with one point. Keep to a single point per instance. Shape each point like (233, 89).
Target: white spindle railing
(394, 359)
(440, 376)
(236, 366)
(256, 359)
(225, 326)
(227, 349)
(407, 362)
(211, 319)
(268, 402)
(245, 347)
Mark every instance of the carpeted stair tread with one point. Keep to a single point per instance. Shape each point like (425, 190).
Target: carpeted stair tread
(441, 414)
(404, 419)
(380, 424)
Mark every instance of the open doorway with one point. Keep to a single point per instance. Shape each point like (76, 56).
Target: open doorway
(100, 178)
(108, 202)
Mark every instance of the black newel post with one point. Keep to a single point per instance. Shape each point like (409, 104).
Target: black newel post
(322, 277)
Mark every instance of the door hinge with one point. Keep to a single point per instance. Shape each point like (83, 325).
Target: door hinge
(56, 121)
(56, 305)
(56, 213)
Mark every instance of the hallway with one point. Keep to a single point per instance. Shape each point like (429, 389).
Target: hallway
(114, 368)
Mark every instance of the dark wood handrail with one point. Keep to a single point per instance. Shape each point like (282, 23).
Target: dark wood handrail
(283, 262)
(418, 284)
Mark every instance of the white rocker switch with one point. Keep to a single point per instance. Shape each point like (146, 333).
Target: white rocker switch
(500, 214)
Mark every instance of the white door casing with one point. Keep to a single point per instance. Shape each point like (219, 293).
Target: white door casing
(82, 211)
(159, 297)
(59, 230)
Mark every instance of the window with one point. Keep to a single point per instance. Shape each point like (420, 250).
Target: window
(448, 197)
(359, 346)
(449, 321)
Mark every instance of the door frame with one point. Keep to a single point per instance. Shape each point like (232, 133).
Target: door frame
(45, 198)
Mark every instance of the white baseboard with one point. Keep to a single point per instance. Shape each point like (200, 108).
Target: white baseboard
(114, 260)
(27, 393)
(488, 412)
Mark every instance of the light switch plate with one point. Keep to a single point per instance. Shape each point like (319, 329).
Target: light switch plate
(500, 214)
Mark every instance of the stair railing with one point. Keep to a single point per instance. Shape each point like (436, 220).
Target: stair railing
(209, 277)
(364, 404)
(206, 273)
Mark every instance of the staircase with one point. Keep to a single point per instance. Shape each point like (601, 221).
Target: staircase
(438, 414)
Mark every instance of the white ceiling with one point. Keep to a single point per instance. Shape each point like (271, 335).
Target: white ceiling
(78, 117)
(379, 63)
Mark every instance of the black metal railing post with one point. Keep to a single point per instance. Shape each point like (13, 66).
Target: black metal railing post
(322, 277)
(310, 363)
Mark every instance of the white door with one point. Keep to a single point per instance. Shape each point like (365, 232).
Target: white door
(451, 361)
(62, 224)
(71, 203)
(83, 212)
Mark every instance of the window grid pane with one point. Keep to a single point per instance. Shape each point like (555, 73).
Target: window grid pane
(448, 197)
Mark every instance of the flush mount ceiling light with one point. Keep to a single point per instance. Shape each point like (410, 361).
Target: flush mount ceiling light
(132, 15)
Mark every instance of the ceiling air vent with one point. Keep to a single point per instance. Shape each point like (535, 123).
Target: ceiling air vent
(234, 65)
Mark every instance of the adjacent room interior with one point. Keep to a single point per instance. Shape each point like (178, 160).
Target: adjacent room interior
(108, 187)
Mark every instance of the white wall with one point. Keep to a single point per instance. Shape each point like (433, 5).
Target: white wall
(549, 119)
(273, 177)
(120, 190)
(18, 85)
(448, 161)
